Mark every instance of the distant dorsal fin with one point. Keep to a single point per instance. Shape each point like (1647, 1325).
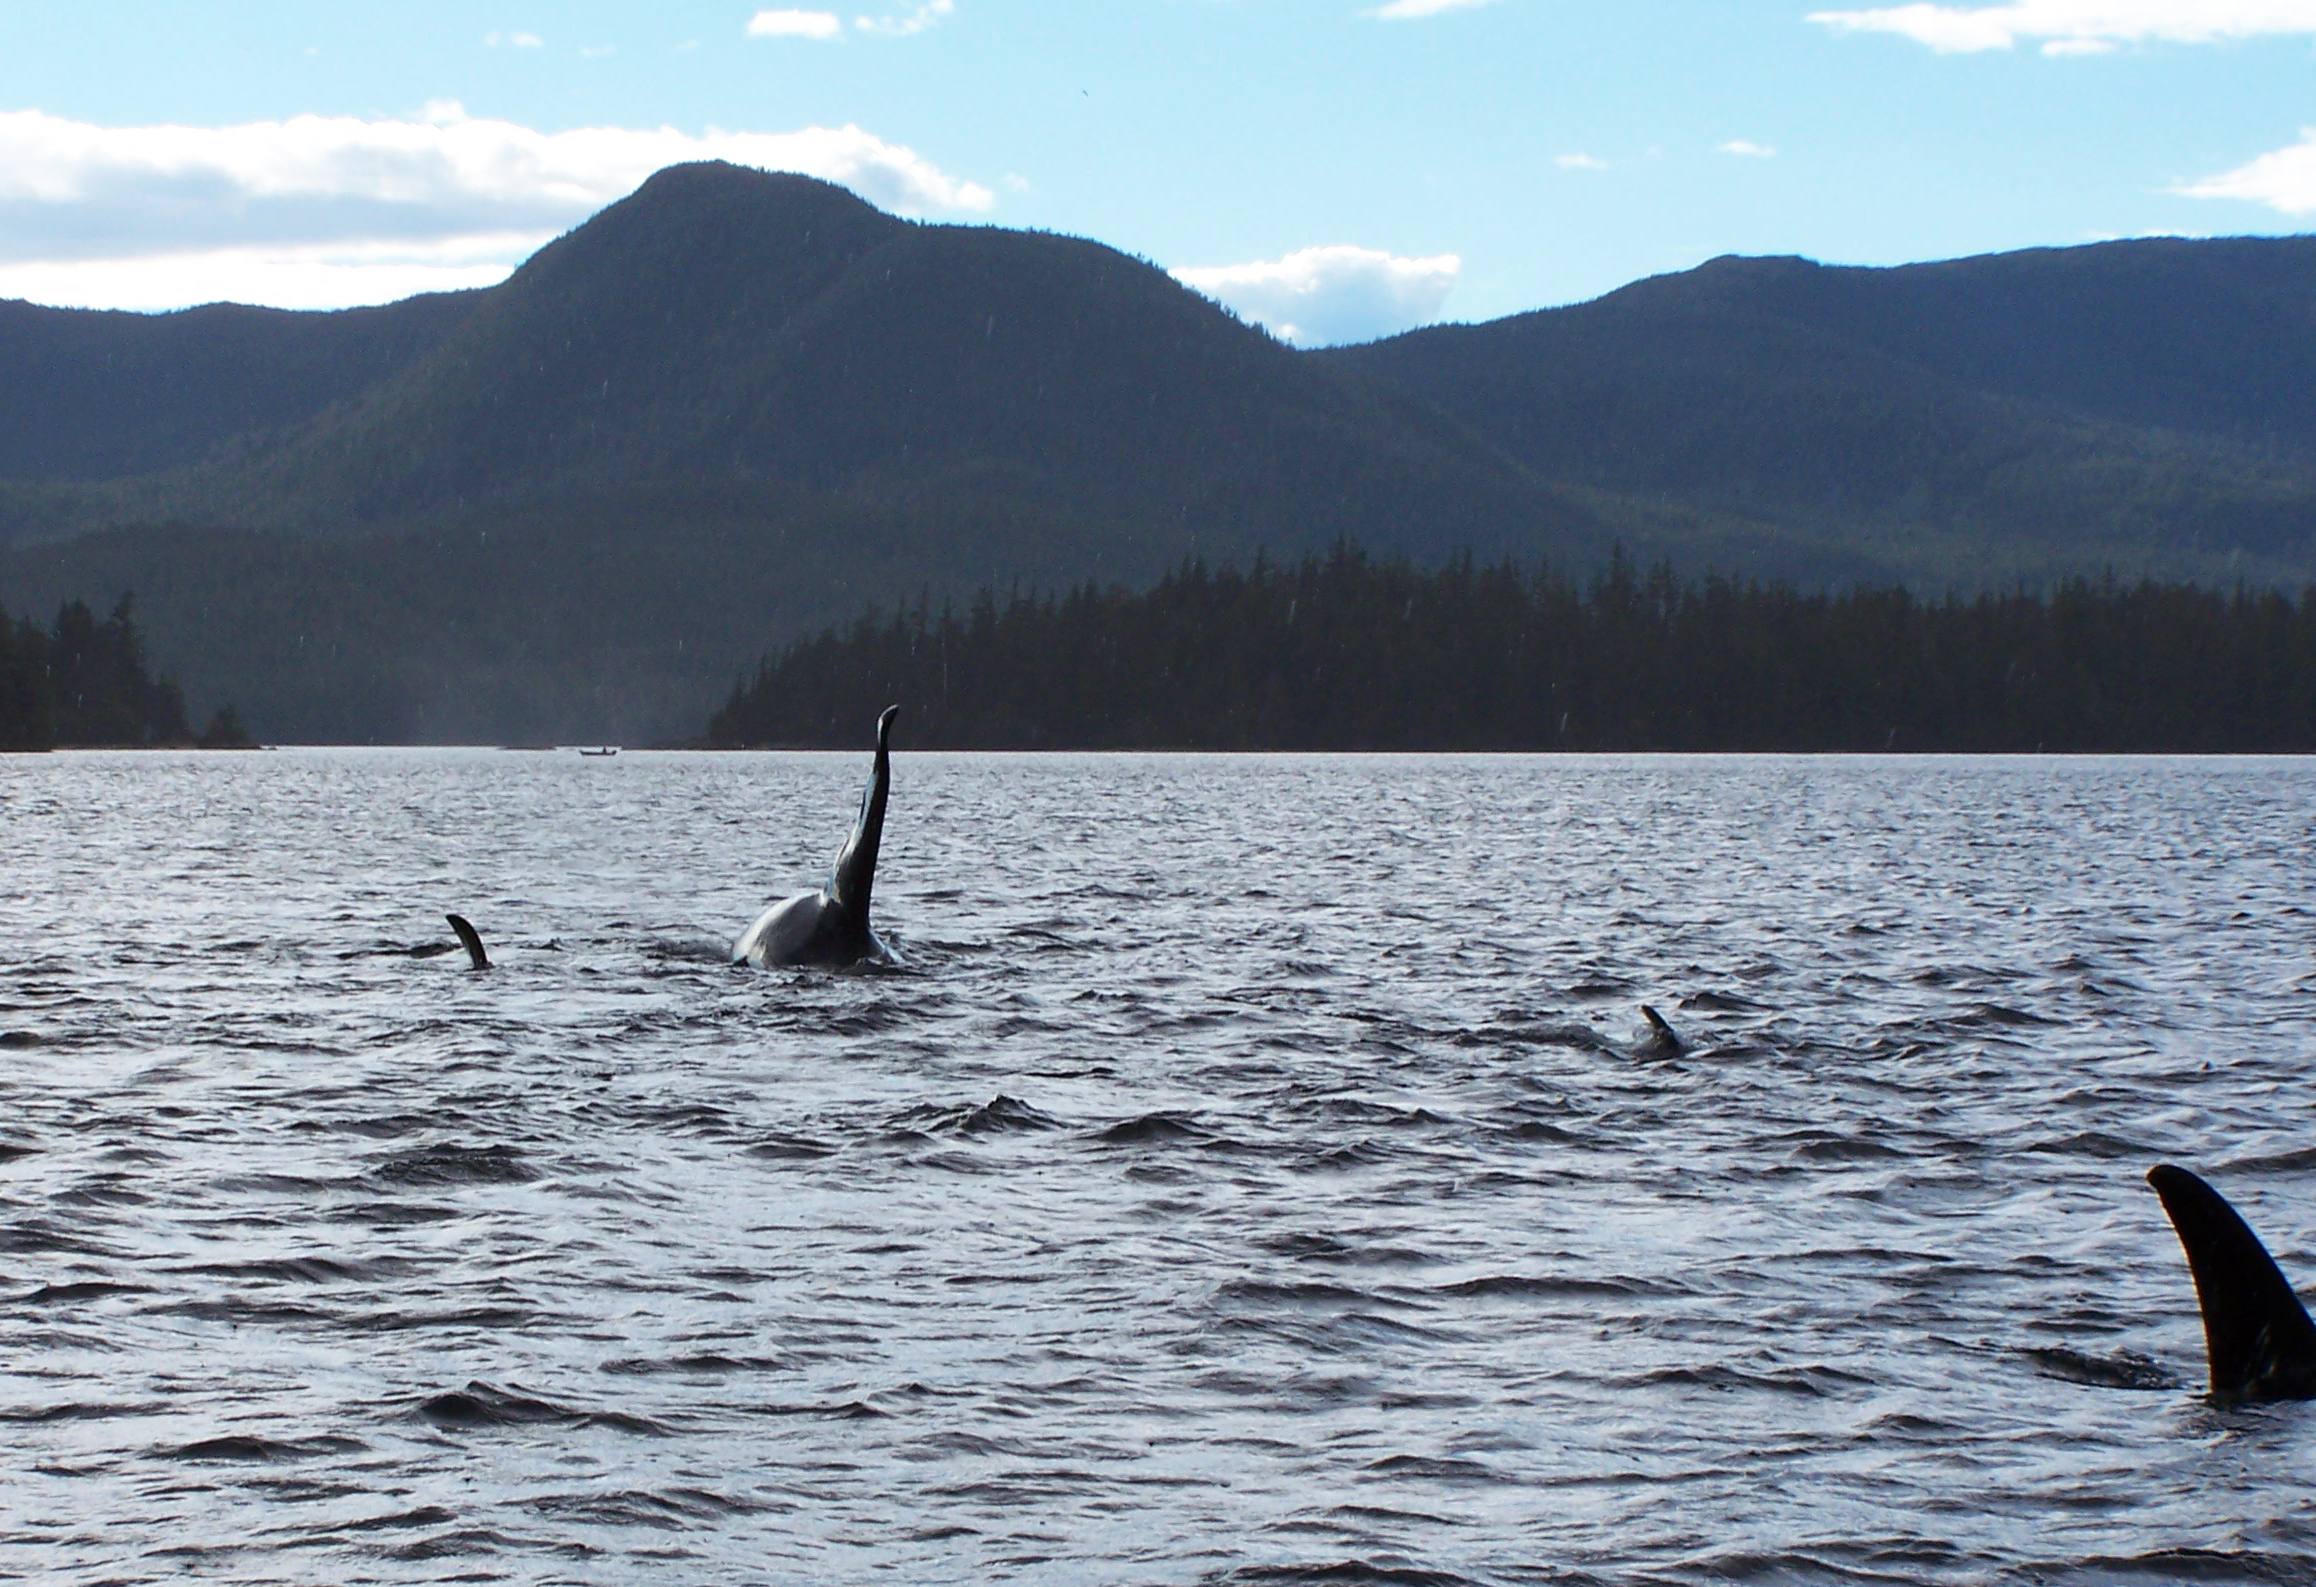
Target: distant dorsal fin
(2261, 1344)
(1662, 1037)
(473, 940)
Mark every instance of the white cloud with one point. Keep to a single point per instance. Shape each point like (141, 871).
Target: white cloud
(2284, 180)
(318, 276)
(1580, 162)
(1412, 10)
(900, 27)
(795, 25)
(319, 211)
(520, 41)
(1745, 149)
(1321, 296)
(2078, 27)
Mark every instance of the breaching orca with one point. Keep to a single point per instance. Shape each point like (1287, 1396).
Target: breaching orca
(472, 940)
(832, 925)
(2261, 1344)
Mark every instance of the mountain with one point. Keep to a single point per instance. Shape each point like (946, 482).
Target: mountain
(731, 406)
(98, 395)
(2141, 404)
(739, 406)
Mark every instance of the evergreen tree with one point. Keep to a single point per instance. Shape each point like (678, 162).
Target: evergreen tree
(1343, 653)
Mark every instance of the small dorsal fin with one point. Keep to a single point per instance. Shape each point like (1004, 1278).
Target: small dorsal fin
(1662, 1037)
(473, 940)
(2255, 1331)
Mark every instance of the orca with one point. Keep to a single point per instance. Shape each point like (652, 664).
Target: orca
(831, 927)
(1662, 1041)
(472, 939)
(2255, 1331)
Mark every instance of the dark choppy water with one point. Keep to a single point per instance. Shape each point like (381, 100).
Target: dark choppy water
(1249, 1179)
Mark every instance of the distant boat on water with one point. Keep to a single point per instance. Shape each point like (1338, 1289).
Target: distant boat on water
(607, 749)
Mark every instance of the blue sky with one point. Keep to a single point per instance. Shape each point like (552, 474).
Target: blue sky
(1337, 168)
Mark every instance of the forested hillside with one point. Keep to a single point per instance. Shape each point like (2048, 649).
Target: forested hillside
(2141, 405)
(92, 396)
(1344, 653)
(739, 406)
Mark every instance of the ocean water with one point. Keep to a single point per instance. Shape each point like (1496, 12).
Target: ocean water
(1254, 1173)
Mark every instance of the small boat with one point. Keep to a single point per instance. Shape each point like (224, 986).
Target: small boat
(607, 749)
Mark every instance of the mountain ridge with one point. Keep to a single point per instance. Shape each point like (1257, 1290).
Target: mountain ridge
(737, 405)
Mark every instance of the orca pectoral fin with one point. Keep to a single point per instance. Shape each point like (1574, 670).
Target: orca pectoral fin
(2256, 1333)
(853, 879)
(472, 940)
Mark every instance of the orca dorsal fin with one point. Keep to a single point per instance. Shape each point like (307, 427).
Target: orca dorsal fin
(2255, 1331)
(855, 876)
(1662, 1038)
(473, 941)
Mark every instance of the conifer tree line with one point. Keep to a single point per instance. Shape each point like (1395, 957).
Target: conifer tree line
(84, 682)
(1342, 652)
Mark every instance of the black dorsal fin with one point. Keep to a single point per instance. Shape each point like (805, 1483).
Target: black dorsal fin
(2261, 1344)
(1662, 1037)
(473, 940)
(855, 877)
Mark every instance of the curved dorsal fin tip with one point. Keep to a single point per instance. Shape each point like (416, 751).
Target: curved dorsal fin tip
(1661, 1032)
(2257, 1335)
(472, 939)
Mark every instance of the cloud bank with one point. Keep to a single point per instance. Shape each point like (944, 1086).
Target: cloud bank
(1319, 297)
(2078, 27)
(2285, 180)
(326, 212)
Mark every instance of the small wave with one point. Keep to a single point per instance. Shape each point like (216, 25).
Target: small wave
(1435, 1468)
(2125, 1369)
(424, 1515)
(483, 1405)
(1263, 1292)
(1153, 1128)
(1353, 1572)
(1808, 1382)
(1525, 1287)
(452, 1164)
(639, 1507)
(76, 1412)
(1001, 1114)
(248, 1447)
(1581, 1037)
(80, 1289)
(1344, 1158)
(790, 1147)
(2092, 1143)
(705, 1364)
(304, 1270)
(2296, 1161)
(1814, 1146)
